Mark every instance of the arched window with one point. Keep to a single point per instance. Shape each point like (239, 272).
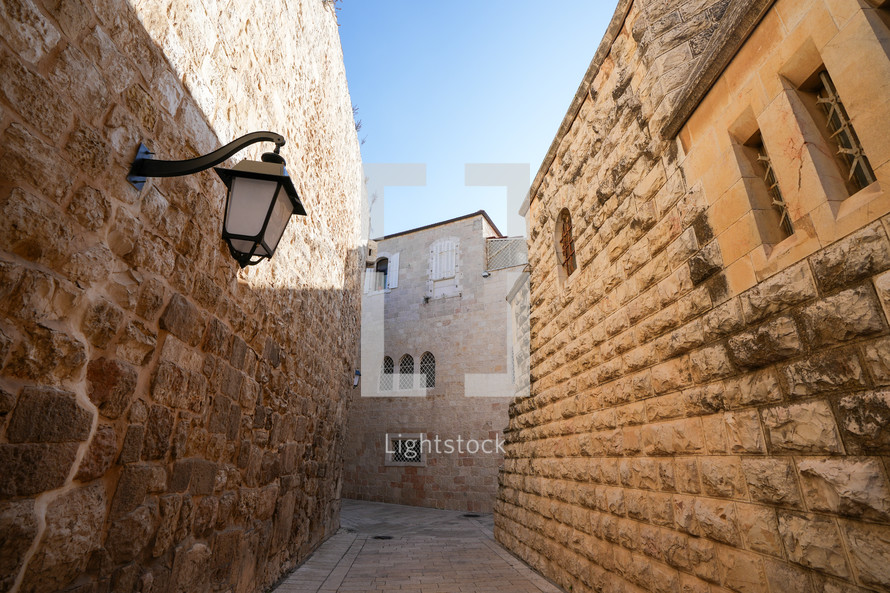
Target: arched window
(428, 369)
(381, 273)
(386, 374)
(566, 244)
(406, 372)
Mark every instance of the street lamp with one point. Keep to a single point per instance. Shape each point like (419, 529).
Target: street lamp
(261, 196)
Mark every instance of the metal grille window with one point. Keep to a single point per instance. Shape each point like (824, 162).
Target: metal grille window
(858, 169)
(566, 243)
(406, 451)
(772, 186)
(386, 374)
(506, 253)
(406, 372)
(428, 369)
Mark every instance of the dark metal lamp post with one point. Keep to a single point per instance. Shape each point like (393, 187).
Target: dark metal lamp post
(260, 200)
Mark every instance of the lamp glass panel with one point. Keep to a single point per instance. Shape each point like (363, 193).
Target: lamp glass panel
(249, 201)
(241, 245)
(278, 221)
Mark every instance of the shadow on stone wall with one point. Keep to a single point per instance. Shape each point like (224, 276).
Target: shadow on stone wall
(167, 423)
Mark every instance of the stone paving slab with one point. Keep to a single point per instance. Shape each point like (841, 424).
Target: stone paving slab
(430, 551)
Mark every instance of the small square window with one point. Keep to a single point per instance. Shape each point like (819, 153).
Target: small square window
(405, 450)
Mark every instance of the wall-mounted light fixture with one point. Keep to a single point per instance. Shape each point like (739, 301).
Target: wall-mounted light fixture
(356, 378)
(260, 200)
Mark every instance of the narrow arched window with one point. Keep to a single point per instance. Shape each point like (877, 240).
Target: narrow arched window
(386, 374)
(381, 273)
(406, 372)
(428, 369)
(566, 244)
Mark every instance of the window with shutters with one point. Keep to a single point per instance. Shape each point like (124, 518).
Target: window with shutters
(383, 274)
(444, 268)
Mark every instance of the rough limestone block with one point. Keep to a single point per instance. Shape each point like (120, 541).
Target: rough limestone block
(864, 419)
(18, 524)
(48, 415)
(778, 292)
(759, 527)
(33, 468)
(862, 254)
(813, 541)
(69, 539)
(111, 385)
(183, 320)
(854, 487)
(769, 343)
(100, 454)
(802, 428)
(828, 371)
(772, 481)
(869, 547)
(844, 316)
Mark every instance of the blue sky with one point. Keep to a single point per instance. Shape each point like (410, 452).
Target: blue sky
(446, 83)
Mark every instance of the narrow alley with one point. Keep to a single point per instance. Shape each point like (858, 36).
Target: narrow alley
(429, 551)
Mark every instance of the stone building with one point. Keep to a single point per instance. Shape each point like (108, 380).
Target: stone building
(708, 243)
(169, 422)
(436, 365)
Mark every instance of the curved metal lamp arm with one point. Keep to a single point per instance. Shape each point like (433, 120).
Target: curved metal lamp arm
(145, 166)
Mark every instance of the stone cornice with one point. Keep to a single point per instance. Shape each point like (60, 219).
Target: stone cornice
(605, 46)
(735, 27)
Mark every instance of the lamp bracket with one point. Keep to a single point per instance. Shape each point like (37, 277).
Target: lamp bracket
(145, 165)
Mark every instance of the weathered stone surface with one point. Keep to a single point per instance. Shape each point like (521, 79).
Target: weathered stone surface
(69, 539)
(759, 528)
(183, 320)
(862, 254)
(786, 577)
(779, 292)
(170, 505)
(19, 527)
(825, 372)
(90, 208)
(760, 387)
(131, 451)
(717, 520)
(101, 322)
(772, 481)
(48, 415)
(704, 264)
(134, 484)
(741, 571)
(45, 353)
(191, 568)
(769, 343)
(130, 534)
(32, 468)
(136, 344)
(864, 419)
(157, 433)
(100, 454)
(869, 547)
(854, 487)
(802, 428)
(877, 360)
(814, 542)
(844, 316)
(111, 385)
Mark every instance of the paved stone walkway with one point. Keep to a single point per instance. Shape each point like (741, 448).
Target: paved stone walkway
(431, 551)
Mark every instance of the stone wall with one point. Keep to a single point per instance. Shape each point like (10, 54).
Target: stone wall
(709, 408)
(169, 422)
(467, 333)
